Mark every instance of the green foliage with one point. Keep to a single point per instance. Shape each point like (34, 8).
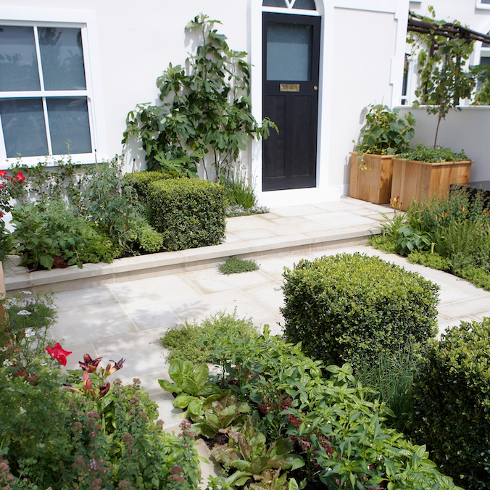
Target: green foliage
(43, 236)
(6, 244)
(248, 454)
(219, 413)
(340, 434)
(147, 237)
(114, 207)
(479, 277)
(44, 182)
(482, 96)
(195, 341)
(209, 113)
(451, 393)
(141, 180)
(188, 212)
(234, 265)
(442, 62)
(24, 323)
(392, 378)
(385, 133)
(459, 231)
(240, 198)
(437, 154)
(383, 243)
(56, 436)
(352, 307)
(432, 260)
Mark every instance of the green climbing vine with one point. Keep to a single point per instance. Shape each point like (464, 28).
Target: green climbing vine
(209, 119)
(443, 53)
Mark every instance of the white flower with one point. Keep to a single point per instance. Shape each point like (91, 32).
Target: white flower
(26, 292)
(24, 313)
(41, 445)
(7, 363)
(22, 410)
(29, 333)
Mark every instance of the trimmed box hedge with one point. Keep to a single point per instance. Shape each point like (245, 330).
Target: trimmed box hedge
(352, 307)
(141, 180)
(189, 213)
(451, 396)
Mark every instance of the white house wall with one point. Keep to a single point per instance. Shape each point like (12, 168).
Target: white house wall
(135, 43)
(131, 43)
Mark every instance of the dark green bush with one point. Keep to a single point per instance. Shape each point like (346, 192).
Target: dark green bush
(189, 213)
(346, 308)
(452, 403)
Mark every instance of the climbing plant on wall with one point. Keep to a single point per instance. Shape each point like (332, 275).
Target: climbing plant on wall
(443, 51)
(208, 120)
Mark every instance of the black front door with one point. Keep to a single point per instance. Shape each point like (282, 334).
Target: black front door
(291, 45)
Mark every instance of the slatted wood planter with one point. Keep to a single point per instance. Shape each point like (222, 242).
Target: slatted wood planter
(372, 184)
(422, 180)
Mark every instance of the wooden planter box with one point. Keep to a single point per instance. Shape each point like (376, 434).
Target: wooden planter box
(372, 184)
(422, 180)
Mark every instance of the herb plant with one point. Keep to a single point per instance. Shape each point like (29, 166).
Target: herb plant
(437, 154)
(235, 265)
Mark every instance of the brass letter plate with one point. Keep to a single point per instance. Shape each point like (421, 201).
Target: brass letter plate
(289, 87)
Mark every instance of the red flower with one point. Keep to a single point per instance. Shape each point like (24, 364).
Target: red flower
(3, 173)
(1, 214)
(58, 353)
(19, 177)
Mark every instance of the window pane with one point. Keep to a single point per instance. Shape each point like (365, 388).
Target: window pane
(68, 122)
(62, 58)
(289, 52)
(274, 3)
(23, 126)
(304, 4)
(18, 61)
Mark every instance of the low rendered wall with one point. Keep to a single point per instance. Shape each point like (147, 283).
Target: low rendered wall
(467, 129)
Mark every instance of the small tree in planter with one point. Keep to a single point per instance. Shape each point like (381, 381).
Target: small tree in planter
(444, 49)
(384, 134)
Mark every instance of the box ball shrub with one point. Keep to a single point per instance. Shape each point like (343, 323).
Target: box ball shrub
(451, 395)
(352, 307)
(188, 212)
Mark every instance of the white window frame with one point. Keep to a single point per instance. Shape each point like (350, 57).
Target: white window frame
(288, 9)
(86, 22)
(484, 6)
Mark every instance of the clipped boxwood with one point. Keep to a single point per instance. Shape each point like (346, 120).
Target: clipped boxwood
(452, 403)
(141, 180)
(188, 212)
(350, 308)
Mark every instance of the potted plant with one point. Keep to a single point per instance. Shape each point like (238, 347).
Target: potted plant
(424, 172)
(383, 135)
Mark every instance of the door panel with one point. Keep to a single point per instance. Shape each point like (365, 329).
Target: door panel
(290, 99)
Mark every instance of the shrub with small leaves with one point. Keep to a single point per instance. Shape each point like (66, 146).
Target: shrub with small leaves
(344, 308)
(451, 403)
(189, 213)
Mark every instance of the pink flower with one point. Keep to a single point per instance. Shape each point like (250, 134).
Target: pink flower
(58, 352)
(19, 177)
